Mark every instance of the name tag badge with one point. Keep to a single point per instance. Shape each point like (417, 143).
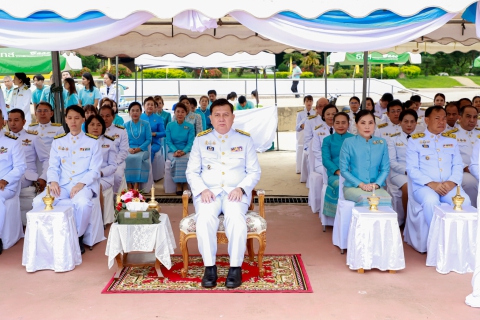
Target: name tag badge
(237, 149)
(3, 150)
(448, 145)
(209, 148)
(84, 149)
(185, 127)
(105, 146)
(425, 146)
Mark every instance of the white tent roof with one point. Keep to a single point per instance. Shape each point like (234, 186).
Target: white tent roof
(431, 47)
(218, 8)
(215, 60)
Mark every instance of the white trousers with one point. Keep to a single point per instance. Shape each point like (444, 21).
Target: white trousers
(118, 176)
(470, 185)
(206, 218)
(4, 196)
(82, 205)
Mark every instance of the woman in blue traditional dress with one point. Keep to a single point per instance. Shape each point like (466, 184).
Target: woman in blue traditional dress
(139, 139)
(331, 160)
(193, 118)
(71, 96)
(118, 119)
(205, 109)
(156, 124)
(89, 94)
(364, 163)
(180, 136)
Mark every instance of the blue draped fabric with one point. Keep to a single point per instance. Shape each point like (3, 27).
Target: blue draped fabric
(470, 14)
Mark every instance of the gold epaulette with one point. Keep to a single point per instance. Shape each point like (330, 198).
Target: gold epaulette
(378, 117)
(60, 136)
(119, 126)
(91, 136)
(423, 108)
(33, 124)
(8, 135)
(452, 131)
(318, 126)
(312, 117)
(243, 132)
(449, 135)
(395, 134)
(382, 125)
(477, 128)
(478, 117)
(418, 135)
(204, 132)
(31, 132)
(108, 137)
(478, 136)
(56, 124)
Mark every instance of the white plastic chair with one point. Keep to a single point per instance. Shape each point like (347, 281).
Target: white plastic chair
(299, 151)
(146, 186)
(108, 206)
(343, 216)
(397, 205)
(316, 181)
(416, 228)
(325, 220)
(13, 227)
(304, 168)
(158, 166)
(95, 232)
(169, 185)
(26, 202)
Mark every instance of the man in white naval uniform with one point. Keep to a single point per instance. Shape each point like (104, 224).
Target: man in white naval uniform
(466, 135)
(313, 121)
(392, 123)
(302, 116)
(453, 112)
(74, 170)
(33, 148)
(222, 171)
(434, 164)
(45, 129)
(121, 144)
(12, 168)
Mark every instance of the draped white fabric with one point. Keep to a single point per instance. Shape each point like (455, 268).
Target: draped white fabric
(60, 36)
(473, 299)
(301, 33)
(194, 21)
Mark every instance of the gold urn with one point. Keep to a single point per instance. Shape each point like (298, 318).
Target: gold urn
(373, 201)
(153, 204)
(48, 200)
(458, 200)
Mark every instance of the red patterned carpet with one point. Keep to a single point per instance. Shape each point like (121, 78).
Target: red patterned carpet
(283, 273)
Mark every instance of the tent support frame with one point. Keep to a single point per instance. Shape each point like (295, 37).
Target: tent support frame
(364, 93)
(59, 113)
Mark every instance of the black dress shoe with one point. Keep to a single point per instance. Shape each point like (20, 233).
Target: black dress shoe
(179, 193)
(1, 246)
(80, 243)
(234, 277)
(209, 279)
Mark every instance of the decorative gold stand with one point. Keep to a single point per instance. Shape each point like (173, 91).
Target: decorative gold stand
(373, 201)
(458, 200)
(48, 200)
(153, 204)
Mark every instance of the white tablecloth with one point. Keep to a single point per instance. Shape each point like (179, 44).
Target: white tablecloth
(374, 240)
(142, 237)
(452, 238)
(51, 241)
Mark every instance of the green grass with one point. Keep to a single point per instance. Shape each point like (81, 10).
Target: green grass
(475, 79)
(423, 82)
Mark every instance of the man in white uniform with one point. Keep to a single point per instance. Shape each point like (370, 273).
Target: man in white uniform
(12, 168)
(392, 123)
(302, 116)
(453, 112)
(121, 144)
(466, 137)
(46, 130)
(381, 105)
(8, 91)
(313, 121)
(222, 171)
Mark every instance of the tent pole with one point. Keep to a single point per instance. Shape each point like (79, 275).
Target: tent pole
(59, 113)
(275, 91)
(325, 71)
(136, 77)
(256, 84)
(369, 77)
(365, 66)
(142, 82)
(116, 78)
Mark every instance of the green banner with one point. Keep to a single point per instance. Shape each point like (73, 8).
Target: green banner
(356, 58)
(27, 61)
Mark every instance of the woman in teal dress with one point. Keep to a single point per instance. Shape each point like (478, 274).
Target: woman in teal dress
(71, 96)
(331, 160)
(139, 139)
(89, 94)
(118, 120)
(166, 116)
(205, 109)
(180, 136)
(364, 163)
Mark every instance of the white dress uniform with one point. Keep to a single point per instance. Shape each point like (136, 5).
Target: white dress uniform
(474, 160)
(466, 141)
(75, 159)
(3, 106)
(109, 92)
(301, 118)
(321, 131)
(397, 151)
(109, 164)
(33, 148)
(455, 126)
(221, 163)
(433, 158)
(387, 128)
(46, 132)
(478, 121)
(121, 145)
(311, 124)
(21, 98)
(379, 111)
(12, 168)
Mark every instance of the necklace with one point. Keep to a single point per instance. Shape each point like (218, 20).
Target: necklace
(131, 131)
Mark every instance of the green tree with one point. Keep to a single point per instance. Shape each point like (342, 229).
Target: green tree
(91, 62)
(296, 56)
(311, 60)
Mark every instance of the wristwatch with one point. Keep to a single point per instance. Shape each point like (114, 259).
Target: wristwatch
(243, 191)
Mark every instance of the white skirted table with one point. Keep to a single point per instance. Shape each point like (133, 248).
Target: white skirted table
(452, 238)
(140, 240)
(374, 240)
(51, 241)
